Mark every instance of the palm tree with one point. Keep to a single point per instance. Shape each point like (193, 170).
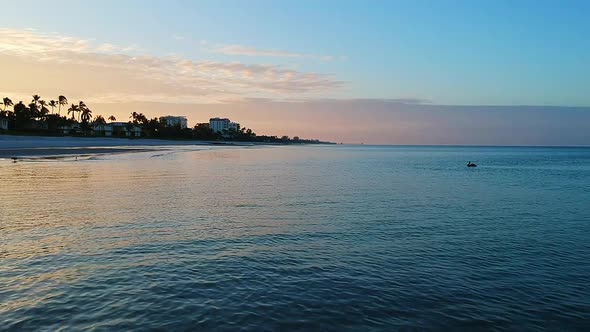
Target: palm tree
(34, 111)
(53, 105)
(134, 117)
(86, 114)
(99, 120)
(81, 107)
(22, 114)
(35, 99)
(43, 108)
(73, 109)
(62, 102)
(43, 111)
(112, 118)
(142, 120)
(7, 102)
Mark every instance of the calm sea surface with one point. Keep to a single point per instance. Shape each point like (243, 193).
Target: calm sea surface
(310, 238)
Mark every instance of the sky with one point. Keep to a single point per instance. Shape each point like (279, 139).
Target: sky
(477, 72)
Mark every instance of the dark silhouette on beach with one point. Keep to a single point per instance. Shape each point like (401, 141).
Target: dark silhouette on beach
(37, 118)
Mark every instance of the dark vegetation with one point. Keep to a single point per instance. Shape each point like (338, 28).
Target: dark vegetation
(45, 118)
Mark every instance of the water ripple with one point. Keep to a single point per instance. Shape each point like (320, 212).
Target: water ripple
(298, 238)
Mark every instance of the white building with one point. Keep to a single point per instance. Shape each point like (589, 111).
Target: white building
(172, 121)
(221, 124)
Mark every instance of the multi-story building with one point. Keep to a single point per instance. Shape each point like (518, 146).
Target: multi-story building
(223, 124)
(172, 121)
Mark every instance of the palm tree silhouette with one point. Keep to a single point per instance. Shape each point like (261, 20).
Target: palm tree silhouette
(7, 102)
(112, 118)
(99, 120)
(81, 107)
(34, 111)
(86, 114)
(43, 108)
(52, 104)
(35, 99)
(73, 109)
(62, 102)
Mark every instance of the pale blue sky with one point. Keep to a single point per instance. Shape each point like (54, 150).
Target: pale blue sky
(386, 72)
(448, 52)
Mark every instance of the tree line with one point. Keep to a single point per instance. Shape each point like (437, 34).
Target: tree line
(42, 117)
(37, 116)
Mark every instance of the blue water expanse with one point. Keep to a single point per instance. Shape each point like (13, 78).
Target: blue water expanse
(298, 238)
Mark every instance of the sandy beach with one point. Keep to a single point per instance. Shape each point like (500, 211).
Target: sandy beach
(40, 146)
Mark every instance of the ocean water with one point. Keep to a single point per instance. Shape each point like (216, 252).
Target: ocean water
(298, 238)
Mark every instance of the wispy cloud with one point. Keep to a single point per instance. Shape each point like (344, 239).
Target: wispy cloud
(106, 48)
(30, 42)
(112, 71)
(257, 52)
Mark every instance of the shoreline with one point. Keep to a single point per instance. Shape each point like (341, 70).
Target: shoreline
(39, 141)
(56, 153)
(45, 146)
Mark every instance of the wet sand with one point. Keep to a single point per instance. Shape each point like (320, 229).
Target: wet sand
(42, 147)
(56, 152)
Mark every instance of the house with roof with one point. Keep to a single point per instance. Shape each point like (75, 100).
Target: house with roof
(117, 129)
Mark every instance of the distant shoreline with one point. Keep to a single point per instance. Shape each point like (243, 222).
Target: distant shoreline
(29, 146)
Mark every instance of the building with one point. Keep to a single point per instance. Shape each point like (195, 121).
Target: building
(117, 129)
(3, 123)
(171, 121)
(223, 124)
(70, 130)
